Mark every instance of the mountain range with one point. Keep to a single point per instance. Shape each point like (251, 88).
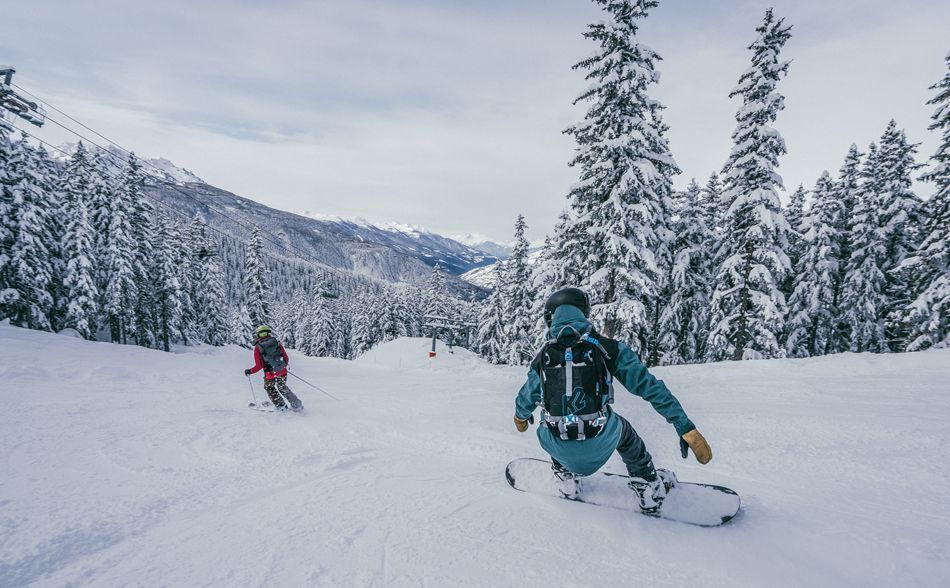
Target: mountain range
(391, 252)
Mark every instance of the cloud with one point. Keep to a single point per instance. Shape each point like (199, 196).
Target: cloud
(449, 114)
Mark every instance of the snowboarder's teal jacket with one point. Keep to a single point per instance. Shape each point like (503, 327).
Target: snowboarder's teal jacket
(587, 456)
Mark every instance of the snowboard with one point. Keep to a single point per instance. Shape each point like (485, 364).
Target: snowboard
(705, 505)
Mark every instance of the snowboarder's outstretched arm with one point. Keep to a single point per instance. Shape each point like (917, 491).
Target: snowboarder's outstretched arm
(639, 381)
(528, 397)
(527, 400)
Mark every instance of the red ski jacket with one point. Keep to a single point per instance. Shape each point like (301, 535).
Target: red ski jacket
(259, 363)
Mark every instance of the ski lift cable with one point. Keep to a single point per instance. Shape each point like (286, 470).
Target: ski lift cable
(117, 179)
(169, 184)
(51, 107)
(303, 257)
(160, 202)
(299, 255)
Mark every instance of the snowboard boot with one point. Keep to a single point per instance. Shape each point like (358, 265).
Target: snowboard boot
(650, 493)
(568, 485)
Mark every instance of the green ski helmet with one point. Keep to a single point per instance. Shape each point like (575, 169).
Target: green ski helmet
(262, 331)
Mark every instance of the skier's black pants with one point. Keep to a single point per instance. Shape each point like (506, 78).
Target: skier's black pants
(632, 451)
(277, 390)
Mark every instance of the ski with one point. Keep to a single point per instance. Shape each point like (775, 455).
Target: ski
(262, 407)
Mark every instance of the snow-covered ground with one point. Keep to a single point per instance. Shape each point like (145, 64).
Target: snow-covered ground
(121, 466)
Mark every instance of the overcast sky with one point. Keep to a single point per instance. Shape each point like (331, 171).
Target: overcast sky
(448, 114)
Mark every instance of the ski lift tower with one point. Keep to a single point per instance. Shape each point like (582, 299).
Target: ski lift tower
(455, 329)
(11, 101)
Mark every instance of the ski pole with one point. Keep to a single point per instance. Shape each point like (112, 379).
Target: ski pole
(253, 396)
(317, 388)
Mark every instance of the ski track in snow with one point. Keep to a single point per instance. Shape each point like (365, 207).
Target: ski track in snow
(123, 466)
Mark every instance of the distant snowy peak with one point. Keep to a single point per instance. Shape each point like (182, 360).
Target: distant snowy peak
(480, 250)
(412, 240)
(159, 168)
(172, 172)
(484, 277)
(478, 241)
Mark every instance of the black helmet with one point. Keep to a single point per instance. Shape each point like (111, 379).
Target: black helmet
(573, 296)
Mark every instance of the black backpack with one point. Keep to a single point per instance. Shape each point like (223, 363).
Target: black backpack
(270, 354)
(576, 383)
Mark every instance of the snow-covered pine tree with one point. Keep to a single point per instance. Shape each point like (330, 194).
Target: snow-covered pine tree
(471, 310)
(558, 266)
(290, 320)
(900, 227)
(165, 282)
(712, 207)
(685, 318)
(567, 254)
(365, 331)
(318, 341)
(79, 248)
(256, 291)
(795, 215)
(49, 174)
(121, 288)
(814, 304)
(212, 301)
(862, 298)
(99, 202)
(395, 317)
(436, 297)
(928, 315)
(518, 294)
(412, 301)
(847, 192)
(748, 305)
(143, 236)
(490, 337)
(621, 203)
(543, 279)
(195, 253)
(241, 327)
(27, 279)
(342, 327)
(8, 295)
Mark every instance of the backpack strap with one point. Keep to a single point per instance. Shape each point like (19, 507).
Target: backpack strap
(569, 390)
(604, 360)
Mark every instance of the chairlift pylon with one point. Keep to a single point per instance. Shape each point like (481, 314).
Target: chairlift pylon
(26, 109)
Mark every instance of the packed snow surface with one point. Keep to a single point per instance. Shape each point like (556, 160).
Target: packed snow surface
(123, 466)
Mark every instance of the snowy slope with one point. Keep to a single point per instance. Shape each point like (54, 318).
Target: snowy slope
(126, 466)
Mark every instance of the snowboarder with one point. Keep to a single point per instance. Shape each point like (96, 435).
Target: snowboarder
(572, 380)
(269, 355)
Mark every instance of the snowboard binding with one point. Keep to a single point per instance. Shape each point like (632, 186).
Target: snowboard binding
(650, 494)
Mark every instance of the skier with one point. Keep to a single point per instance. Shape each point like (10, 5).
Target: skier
(572, 380)
(269, 355)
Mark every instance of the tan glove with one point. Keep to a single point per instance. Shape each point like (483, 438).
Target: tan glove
(698, 444)
(522, 425)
